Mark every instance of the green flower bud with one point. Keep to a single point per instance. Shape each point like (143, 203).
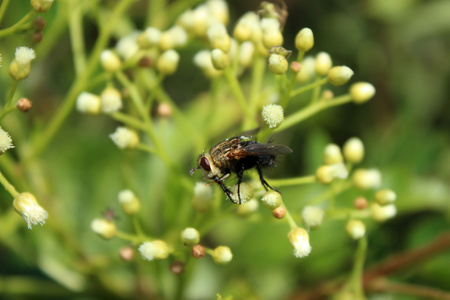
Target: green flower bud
(304, 40)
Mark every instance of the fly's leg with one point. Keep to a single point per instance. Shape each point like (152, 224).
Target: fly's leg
(219, 180)
(264, 183)
(240, 175)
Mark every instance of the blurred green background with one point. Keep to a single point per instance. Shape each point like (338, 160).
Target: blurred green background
(401, 47)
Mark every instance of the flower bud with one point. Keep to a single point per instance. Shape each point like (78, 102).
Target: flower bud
(218, 10)
(104, 228)
(175, 37)
(21, 64)
(168, 62)
(382, 213)
(203, 197)
(177, 267)
(129, 202)
(278, 64)
(246, 193)
(367, 178)
(222, 255)
(295, 67)
(164, 110)
(26, 205)
(323, 63)
(299, 239)
(24, 104)
(125, 138)
(111, 100)
(304, 40)
(39, 24)
(362, 92)
(332, 155)
(126, 253)
(246, 54)
(190, 236)
(204, 61)
(271, 34)
(312, 216)
(5, 141)
(339, 75)
(149, 38)
(355, 229)
(272, 200)
(360, 203)
(354, 150)
(307, 70)
(326, 174)
(36, 37)
(248, 207)
(279, 212)
(327, 95)
(154, 250)
(218, 37)
(88, 103)
(202, 20)
(41, 6)
(385, 196)
(273, 115)
(247, 28)
(127, 46)
(198, 251)
(219, 59)
(187, 20)
(110, 61)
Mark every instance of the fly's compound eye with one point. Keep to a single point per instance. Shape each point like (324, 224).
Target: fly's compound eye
(204, 163)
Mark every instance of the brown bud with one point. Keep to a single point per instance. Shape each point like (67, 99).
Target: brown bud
(38, 24)
(198, 251)
(361, 203)
(295, 67)
(145, 62)
(279, 212)
(24, 104)
(327, 95)
(164, 110)
(177, 267)
(37, 37)
(126, 253)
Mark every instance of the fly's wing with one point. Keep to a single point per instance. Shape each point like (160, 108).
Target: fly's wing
(258, 149)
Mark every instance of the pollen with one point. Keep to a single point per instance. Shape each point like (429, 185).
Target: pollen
(273, 115)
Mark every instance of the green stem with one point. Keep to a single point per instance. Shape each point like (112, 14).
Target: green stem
(258, 68)
(76, 36)
(287, 96)
(358, 269)
(146, 148)
(11, 92)
(18, 25)
(311, 110)
(156, 13)
(289, 218)
(317, 88)
(293, 181)
(237, 91)
(128, 120)
(61, 115)
(129, 237)
(308, 87)
(137, 226)
(8, 186)
(3, 7)
(338, 188)
(7, 110)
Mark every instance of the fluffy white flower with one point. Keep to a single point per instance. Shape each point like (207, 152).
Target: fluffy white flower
(30, 210)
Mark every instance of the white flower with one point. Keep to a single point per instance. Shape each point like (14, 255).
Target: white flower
(218, 37)
(218, 9)
(156, 249)
(362, 92)
(246, 53)
(332, 154)
(246, 193)
(271, 200)
(323, 63)
(339, 75)
(168, 62)
(88, 103)
(152, 35)
(24, 55)
(203, 60)
(299, 239)
(307, 70)
(104, 228)
(312, 216)
(354, 150)
(5, 141)
(203, 197)
(176, 36)
(27, 206)
(385, 196)
(273, 115)
(129, 202)
(326, 174)
(111, 100)
(367, 178)
(125, 138)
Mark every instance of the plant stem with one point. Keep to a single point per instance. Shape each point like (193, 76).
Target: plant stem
(128, 120)
(356, 281)
(146, 148)
(289, 218)
(63, 112)
(18, 25)
(308, 87)
(8, 186)
(237, 91)
(293, 181)
(76, 36)
(3, 7)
